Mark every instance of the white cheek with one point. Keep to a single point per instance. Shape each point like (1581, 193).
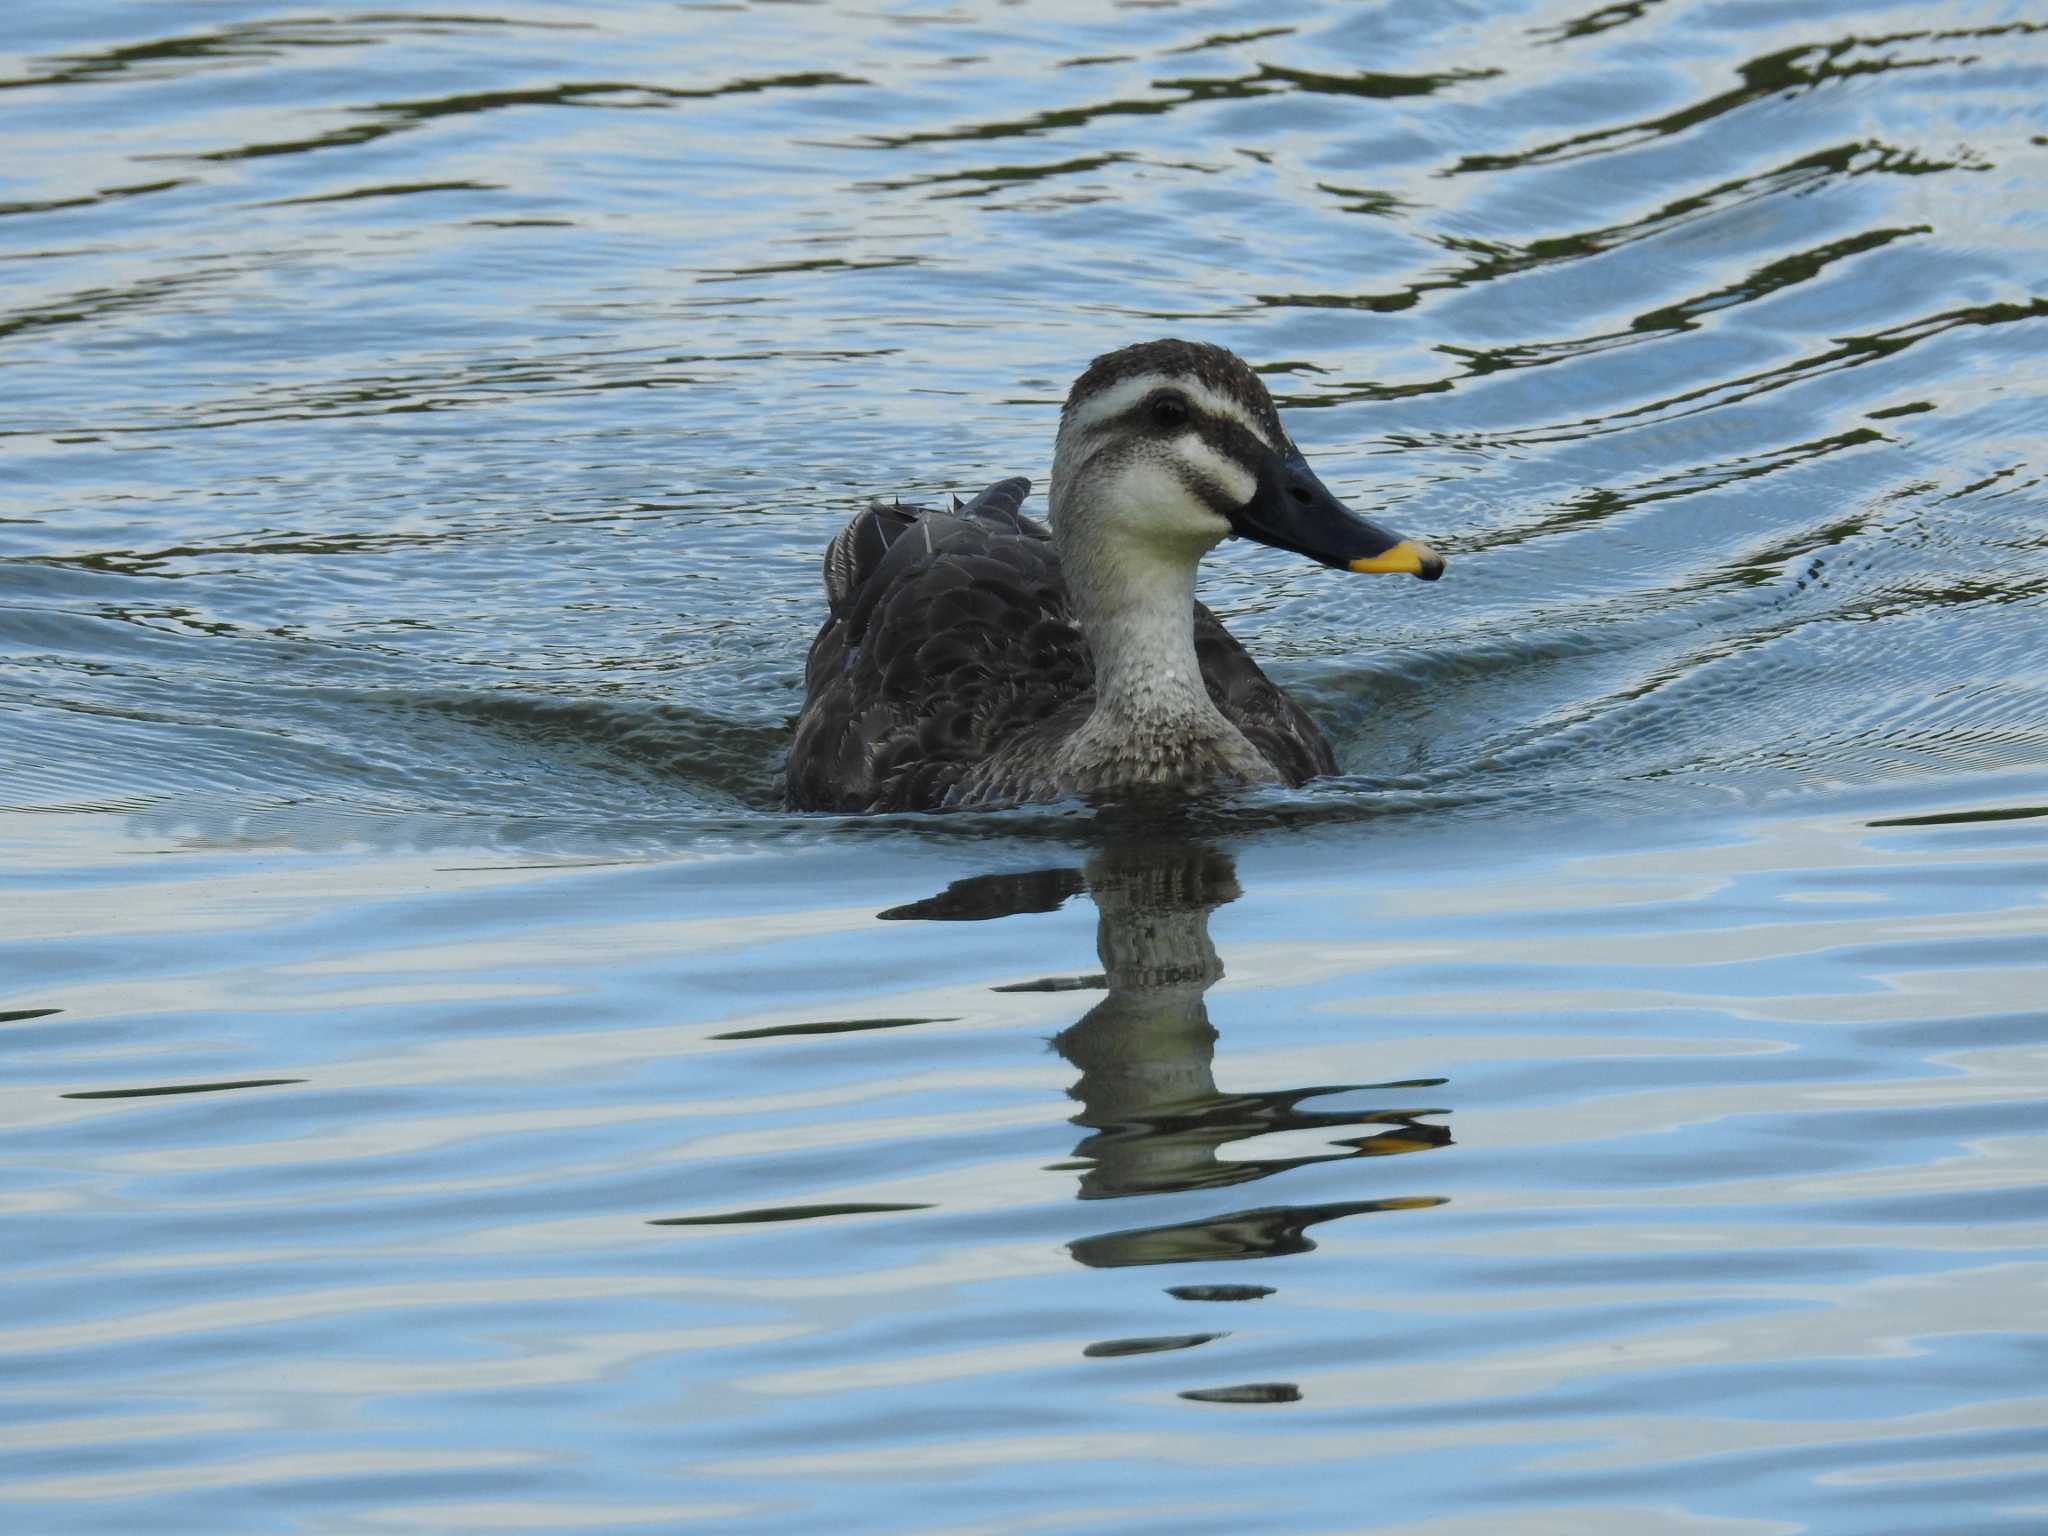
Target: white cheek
(1156, 499)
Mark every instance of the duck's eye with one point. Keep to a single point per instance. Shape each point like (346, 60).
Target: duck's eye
(1169, 411)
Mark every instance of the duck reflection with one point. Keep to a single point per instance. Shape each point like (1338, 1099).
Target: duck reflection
(1156, 1121)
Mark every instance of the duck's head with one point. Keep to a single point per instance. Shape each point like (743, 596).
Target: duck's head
(1173, 446)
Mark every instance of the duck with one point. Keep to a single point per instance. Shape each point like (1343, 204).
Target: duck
(972, 656)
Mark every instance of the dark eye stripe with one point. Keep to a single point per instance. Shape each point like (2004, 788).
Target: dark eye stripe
(1231, 439)
(1225, 434)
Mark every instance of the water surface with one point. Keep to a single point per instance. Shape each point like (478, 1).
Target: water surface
(449, 1093)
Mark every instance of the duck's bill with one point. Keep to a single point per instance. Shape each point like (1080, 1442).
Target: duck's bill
(1294, 510)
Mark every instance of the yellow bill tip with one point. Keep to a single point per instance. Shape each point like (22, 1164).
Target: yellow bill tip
(1410, 557)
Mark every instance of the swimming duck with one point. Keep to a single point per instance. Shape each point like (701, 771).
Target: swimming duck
(974, 657)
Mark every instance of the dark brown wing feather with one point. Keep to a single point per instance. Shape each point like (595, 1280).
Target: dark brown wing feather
(1271, 721)
(950, 637)
(950, 632)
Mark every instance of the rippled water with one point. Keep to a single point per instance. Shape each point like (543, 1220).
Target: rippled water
(446, 1091)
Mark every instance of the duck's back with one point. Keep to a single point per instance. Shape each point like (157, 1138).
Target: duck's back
(951, 642)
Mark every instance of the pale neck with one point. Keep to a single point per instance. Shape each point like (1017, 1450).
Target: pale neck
(1142, 636)
(1136, 605)
(1137, 611)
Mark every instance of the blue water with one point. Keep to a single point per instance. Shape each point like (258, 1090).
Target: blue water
(447, 1093)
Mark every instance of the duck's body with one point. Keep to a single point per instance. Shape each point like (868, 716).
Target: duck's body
(953, 671)
(976, 657)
